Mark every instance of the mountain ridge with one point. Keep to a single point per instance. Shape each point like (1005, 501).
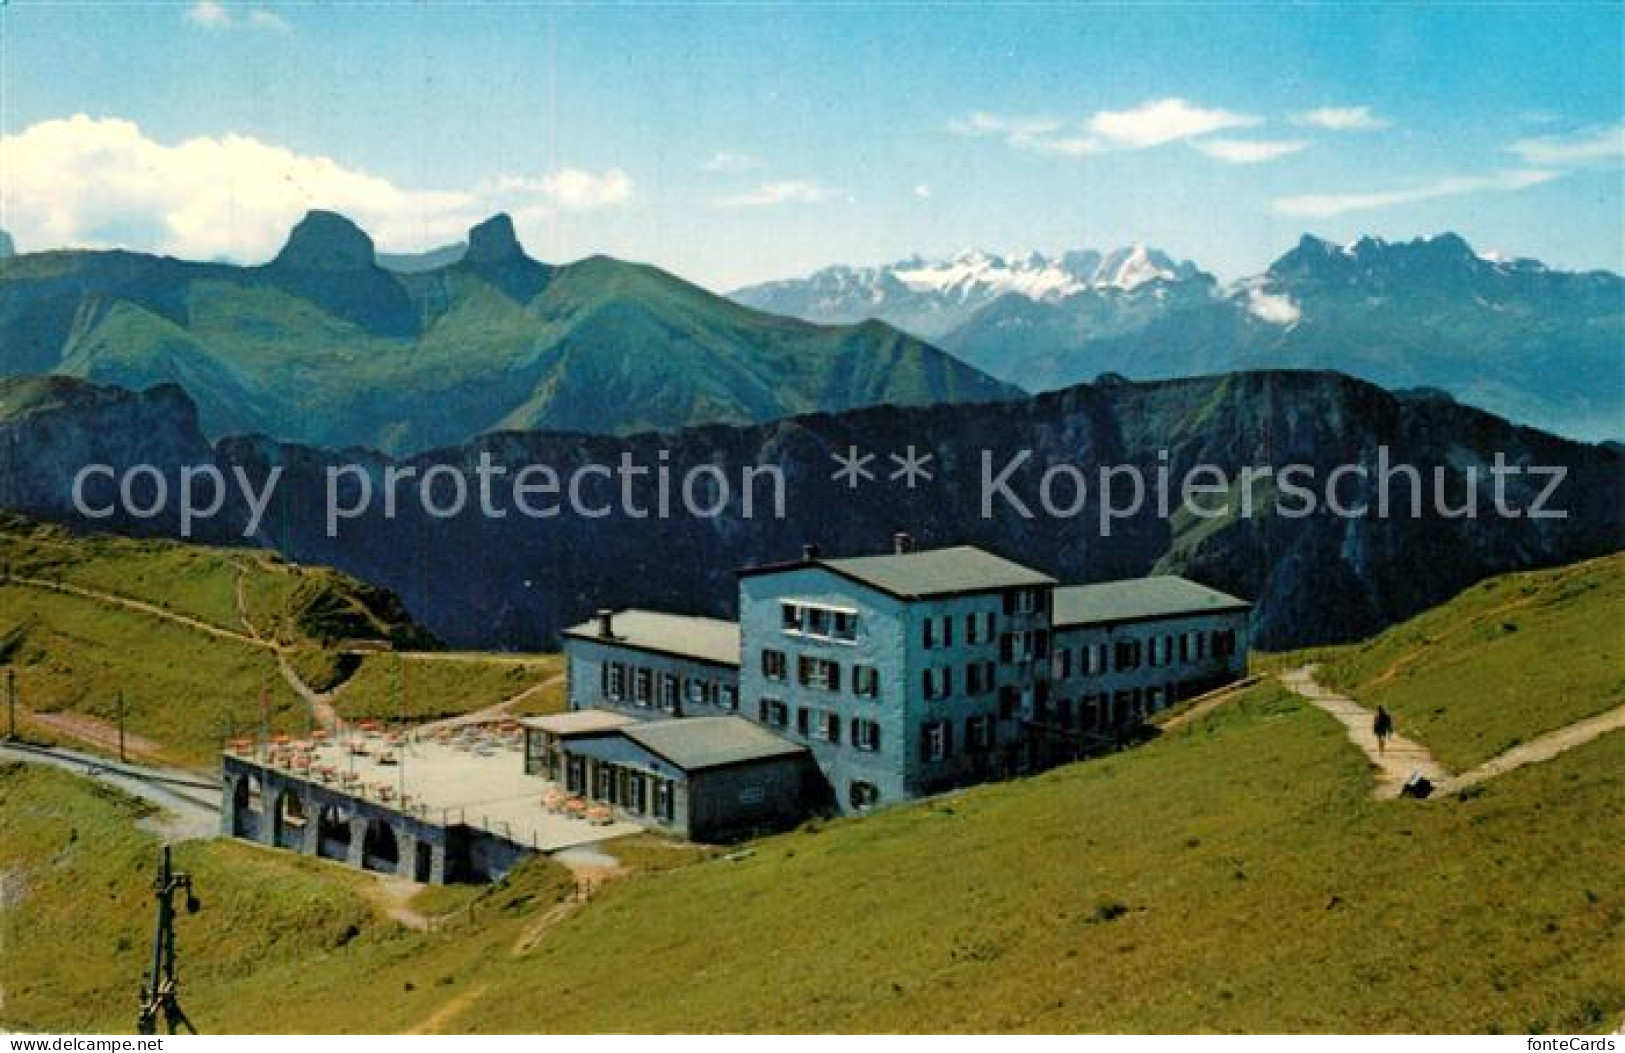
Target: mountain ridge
(323, 344)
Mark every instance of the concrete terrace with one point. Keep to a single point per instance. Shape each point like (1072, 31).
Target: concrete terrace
(474, 782)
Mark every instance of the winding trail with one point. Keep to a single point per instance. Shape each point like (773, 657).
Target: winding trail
(1394, 764)
(1404, 757)
(494, 712)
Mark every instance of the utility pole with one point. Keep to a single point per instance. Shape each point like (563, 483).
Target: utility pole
(159, 990)
(121, 758)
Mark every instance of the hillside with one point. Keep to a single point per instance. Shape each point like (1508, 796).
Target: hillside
(512, 582)
(193, 637)
(323, 345)
(1508, 660)
(1232, 875)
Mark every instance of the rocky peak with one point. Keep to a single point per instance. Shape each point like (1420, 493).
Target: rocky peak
(326, 241)
(494, 241)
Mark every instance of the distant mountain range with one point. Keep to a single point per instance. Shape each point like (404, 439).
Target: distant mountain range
(1539, 345)
(512, 582)
(933, 298)
(324, 345)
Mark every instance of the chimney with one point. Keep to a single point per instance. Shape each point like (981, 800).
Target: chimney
(901, 543)
(606, 623)
(809, 552)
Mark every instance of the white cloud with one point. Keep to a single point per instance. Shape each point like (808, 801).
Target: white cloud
(98, 182)
(922, 191)
(211, 14)
(1249, 151)
(783, 192)
(1165, 121)
(259, 18)
(1274, 308)
(731, 161)
(1320, 206)
(1151, 124)
(1344, 119)
(1598, 144)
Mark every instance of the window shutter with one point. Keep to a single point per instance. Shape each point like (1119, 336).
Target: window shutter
(947, 738)
(834, 676)
(1009, 603)
(1007, 647)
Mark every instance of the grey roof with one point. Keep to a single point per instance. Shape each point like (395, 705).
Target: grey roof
(579, 722)
(682, 635)
(693, 743)
(1137, 599)
(938, 572)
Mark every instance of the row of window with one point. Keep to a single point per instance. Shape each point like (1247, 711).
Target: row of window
(979, 626)
(1158, 652)
(937, 737)
(821, 622)
(821, 673)
(821, 725)
(657, 689)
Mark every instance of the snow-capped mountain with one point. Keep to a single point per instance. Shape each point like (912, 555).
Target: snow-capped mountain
(932, 297)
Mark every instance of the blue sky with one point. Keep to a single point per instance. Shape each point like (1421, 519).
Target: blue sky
(738, 143)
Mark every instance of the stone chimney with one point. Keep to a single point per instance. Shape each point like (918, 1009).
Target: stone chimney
(606, 623)
(902, 543)
(809, 552)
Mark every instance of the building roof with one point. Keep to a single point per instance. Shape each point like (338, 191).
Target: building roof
(695, 743)
(1138, 599)
(929, 572)
(579, 722)
(679, 635)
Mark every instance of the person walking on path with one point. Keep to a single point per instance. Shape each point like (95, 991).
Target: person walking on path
(1383, 728)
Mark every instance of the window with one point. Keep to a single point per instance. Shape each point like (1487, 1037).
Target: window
(668, 692)
(970, 628)
(973, 678)
(979, 734)
(865, 681)
(991, 626)
(928, 633)
(846, 626)
(803, 720)
(775, 713)
(863, 794)
(826, 727)
(938, 683)
(1127, 655)
(817, 621)
(1021, 601)
(947, 630)
(663, 800)
(1224, 643)
(617, 681)
(865, 735)
(1063, 663)
(792, 616)
(1008, 699)
(1097, 659)
(773, 664)
(935, 741)
(827, 623)
(730, 697)
(642, 686)
(818, 672)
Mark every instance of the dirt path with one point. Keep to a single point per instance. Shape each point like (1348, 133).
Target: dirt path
(1394, 764)
(93, 731)
(1542, 748)
(113, 599)
(1205, 704)
(393, 894)
(436, 1022)
(492, 713)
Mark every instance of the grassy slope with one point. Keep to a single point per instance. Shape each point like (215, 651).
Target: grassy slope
(435, 688)
(1507, 660)
(1233, 876)
(183, 688)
